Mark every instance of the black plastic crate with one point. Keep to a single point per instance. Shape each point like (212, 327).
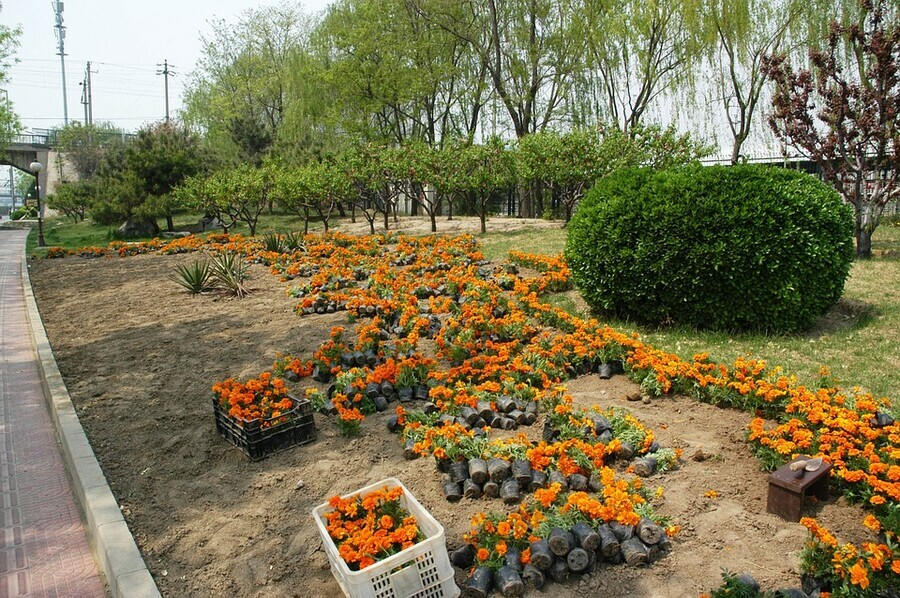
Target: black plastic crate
(258, 441)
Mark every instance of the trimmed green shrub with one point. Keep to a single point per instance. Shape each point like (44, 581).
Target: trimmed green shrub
(23, 212)
(722, 247)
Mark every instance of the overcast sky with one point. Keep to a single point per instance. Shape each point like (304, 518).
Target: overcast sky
(124, 40)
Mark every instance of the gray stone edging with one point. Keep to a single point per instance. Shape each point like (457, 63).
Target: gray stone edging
(108, 535)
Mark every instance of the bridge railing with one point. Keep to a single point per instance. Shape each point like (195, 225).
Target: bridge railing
(50, 137)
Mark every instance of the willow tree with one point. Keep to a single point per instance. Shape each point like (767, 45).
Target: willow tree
(238, 94)
(393, 75)
(530, 48)
(637, 51)
(745, 31)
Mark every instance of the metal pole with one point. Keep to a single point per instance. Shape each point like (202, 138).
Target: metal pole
(36, 168)
(166, 78)
(12, 187)
(90, 101)
(61, 37)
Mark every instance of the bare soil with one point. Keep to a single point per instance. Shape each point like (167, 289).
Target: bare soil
(139, 357)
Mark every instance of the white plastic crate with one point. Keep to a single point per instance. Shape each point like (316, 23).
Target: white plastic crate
(420, 571)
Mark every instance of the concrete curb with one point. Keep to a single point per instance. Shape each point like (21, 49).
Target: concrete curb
(108, 535)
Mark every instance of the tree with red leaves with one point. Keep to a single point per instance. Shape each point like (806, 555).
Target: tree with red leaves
(848, 125)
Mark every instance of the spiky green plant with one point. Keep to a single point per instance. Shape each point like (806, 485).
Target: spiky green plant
(274, 242)
(294, 241)
(196, 277)
(229, 270)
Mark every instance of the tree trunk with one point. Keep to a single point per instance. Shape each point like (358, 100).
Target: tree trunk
(864, 228)
(170, 226)
(525, 201)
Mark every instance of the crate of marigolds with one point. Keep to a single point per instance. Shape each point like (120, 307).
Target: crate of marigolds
(260, 417)
(381, 543)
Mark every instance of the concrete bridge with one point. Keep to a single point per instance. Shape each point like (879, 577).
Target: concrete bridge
(29, 147)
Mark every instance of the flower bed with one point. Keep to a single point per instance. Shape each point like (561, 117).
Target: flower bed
(495, 341)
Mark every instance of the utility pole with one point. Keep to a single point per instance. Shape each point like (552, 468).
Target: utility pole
(61, 40)
(84, 101)
(166, 72)
(90, 102)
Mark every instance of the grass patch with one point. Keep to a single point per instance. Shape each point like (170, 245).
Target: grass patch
(858, 341)
(547, 241)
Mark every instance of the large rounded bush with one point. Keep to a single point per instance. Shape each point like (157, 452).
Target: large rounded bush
(728, 248)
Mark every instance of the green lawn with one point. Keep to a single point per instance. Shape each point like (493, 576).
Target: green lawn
(859, 342)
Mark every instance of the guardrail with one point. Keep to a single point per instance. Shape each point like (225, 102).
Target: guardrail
(50, 137)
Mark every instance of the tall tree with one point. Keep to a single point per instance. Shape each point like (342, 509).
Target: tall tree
(844, 113)
(9, 40)
(531, 50)
(745, 31)
(239, 92)
(637, 51)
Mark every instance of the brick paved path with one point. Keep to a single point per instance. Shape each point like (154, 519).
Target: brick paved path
(43, 547)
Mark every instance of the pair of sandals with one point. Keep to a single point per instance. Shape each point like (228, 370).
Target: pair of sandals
(802, 466)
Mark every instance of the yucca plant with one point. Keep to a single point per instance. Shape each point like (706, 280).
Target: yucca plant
(294, 241)
(274, 242)
(230, 272)
(196, 277)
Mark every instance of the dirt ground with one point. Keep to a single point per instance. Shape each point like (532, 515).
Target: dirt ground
(139, 357)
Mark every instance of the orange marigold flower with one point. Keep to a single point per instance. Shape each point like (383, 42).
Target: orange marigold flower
(872, 523)
(859, 576)
(483, 554)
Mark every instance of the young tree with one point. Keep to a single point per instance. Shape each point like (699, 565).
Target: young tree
(567, 163)
(479, 172)
(848, 124)
(314, 187)
(233, 195)
(74, 199)
(415, 167)
(374, 189)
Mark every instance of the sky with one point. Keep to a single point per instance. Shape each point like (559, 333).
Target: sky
(125, 40)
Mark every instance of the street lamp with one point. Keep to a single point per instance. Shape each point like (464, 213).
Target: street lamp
(36, 169)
